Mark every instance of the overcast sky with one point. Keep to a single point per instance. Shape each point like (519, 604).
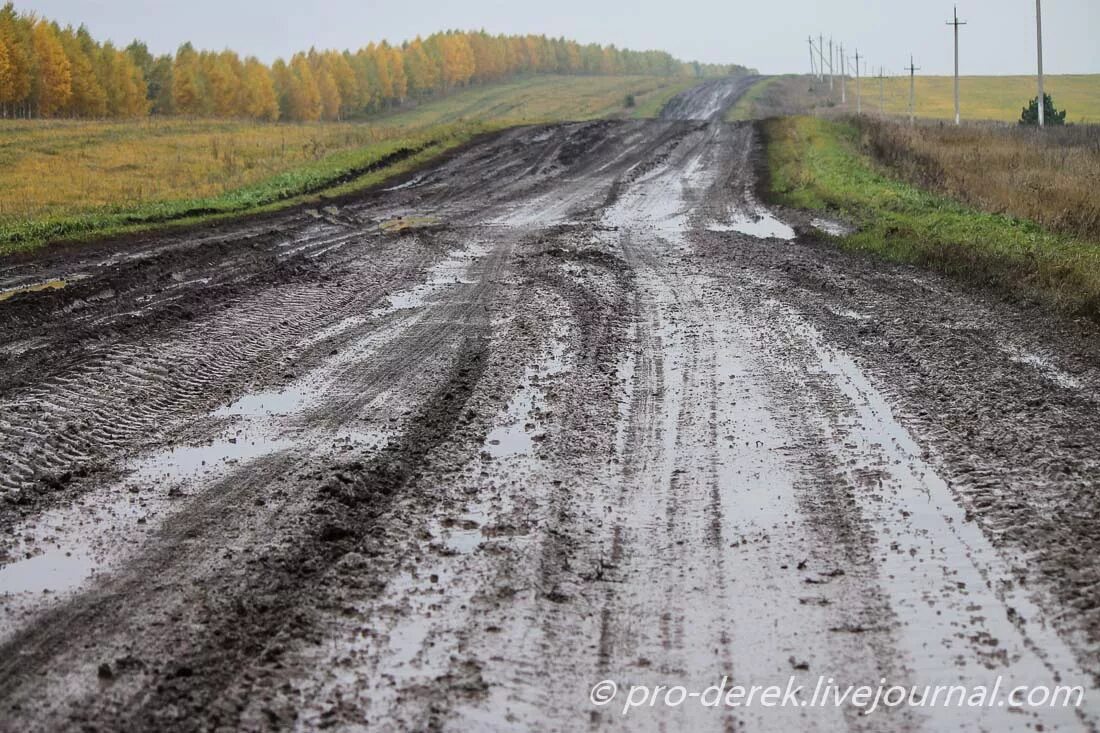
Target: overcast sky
(767, 34)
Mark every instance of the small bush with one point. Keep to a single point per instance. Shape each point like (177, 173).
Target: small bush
(1051, 116)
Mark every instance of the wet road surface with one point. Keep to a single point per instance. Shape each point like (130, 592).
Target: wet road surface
(568, 406)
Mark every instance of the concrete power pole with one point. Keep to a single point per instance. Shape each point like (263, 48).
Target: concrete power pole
(843, 77)
(912, 90)
(831, 65)
(881, 92)
(821, 56)
(859, 92)
(1039, 38)
(956, 22)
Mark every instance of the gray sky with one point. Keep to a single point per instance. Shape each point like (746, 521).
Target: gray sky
(768, 34)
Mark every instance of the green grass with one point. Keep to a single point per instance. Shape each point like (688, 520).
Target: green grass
(74, 180)
(816, 164)
(746, 108)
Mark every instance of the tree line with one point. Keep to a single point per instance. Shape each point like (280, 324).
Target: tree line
(50, 71)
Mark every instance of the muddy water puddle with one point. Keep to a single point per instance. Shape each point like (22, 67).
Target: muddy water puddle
(54, 284)
(756, 222)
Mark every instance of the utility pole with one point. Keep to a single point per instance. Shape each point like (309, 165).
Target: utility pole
(821, 55)
(859, 92)
(843, 77)
(813, 71)
(1039, 38)
(830, 65)
(956, 22)
(881, 92)
(912, 90)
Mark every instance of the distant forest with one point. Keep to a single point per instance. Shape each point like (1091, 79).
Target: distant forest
(50, 71)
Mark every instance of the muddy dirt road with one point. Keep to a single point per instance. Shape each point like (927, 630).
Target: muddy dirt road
(569, 406)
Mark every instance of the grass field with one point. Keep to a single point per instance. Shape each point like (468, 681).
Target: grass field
(998, 98)
(817, 164)
(64, 179)
(1047, 176)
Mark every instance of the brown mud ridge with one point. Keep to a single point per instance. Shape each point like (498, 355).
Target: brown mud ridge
(567, 406)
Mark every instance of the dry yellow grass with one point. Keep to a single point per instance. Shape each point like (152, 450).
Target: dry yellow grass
(51, 169)
(997, 98)
(1051, 177)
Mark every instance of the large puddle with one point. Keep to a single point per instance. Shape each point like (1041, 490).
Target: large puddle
(756, 222)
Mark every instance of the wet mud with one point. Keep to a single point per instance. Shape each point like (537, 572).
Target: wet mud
(569, 405)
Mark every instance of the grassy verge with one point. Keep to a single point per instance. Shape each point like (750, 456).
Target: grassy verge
(816, 164)
(66, 180)
(746, 107)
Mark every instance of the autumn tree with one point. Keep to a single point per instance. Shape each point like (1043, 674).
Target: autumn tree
(304, 97)
(259, 101)
(53, 80)
(50, 71)
(88, 98)
(15, 33)
(189, 95)
(123, 83)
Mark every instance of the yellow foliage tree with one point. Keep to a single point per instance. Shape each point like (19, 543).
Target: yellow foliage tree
(330, 95)
(258, 92)
(7, 76)
(188, 88)
(305, 96)
(53, 82)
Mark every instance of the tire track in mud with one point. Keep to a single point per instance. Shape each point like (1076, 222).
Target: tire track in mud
(619, 445)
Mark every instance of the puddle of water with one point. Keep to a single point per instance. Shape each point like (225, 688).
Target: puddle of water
(55, 570)
(273, 402)
(190, 461)
(55, 284)
(759, 223)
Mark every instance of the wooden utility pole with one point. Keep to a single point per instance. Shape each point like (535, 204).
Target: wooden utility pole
(956, 22)
(1039, 38)
(813, 64)
(912, 91)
